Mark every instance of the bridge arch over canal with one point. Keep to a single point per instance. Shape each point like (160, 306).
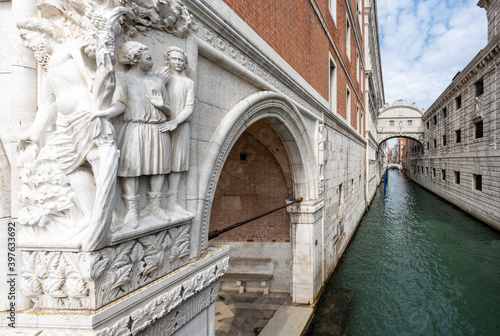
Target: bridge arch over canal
(400, 120)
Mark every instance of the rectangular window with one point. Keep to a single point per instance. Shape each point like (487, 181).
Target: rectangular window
(479, 129)
(333, 86)
(435, 144)
(435, 120)
(428, 145)
(457, 177)
(444, 140)
(348, 39)
(348, 107)
(332, 5)
(479, 87)
(422, 169)
(444, 113)
(478, 182)
(458, 102)
(427, 171)
(341, 196)
(443, 174)
(458, 135)
(433, 172)
(357, 66)
(410, 123)
(358, 119)
(427, 125)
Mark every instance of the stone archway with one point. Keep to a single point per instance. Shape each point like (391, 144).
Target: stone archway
(276, 111)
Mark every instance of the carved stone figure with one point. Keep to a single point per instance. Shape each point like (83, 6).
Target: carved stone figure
(180, 91)
(321, 157)
(144, 141)
(79, 137)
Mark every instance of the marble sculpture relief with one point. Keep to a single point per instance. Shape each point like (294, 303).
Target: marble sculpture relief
(71, 157)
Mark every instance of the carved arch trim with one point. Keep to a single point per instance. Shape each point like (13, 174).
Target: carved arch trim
(284, 117)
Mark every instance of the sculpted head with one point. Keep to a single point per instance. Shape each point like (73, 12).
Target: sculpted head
(37, 30)
(135, 53)
(176, 59)
(40, 36)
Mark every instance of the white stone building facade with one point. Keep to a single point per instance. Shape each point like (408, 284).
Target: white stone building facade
(460, 158)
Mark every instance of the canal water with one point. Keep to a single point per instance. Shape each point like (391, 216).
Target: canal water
(416, 266)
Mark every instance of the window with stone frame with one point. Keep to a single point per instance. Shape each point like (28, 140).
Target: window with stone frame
(478, 182)
(332, 6)
(348, 39)
(435, 144)
(478, 129)
(341, 195)
(427, 171)
(458, 102)
(428, 147)
(458, 135)
(333, 86)
(457, 177)
(435, 120)
(427, 125)
(443, 174)
(444, 140)
(445, 113)
(479, 87)
(434, 172)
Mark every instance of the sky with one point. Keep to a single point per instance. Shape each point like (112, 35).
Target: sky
(425, 43)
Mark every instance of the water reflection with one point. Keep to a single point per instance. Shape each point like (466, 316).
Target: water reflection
(416, 266)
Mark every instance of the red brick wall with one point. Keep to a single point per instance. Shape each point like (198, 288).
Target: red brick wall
(249, 188)
(294, 31)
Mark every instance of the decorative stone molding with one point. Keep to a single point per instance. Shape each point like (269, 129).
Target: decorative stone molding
(89, 280)
(287, 121)
(170, 311)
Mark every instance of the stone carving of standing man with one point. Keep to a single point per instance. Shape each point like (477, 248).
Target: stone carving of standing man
(144, 142)
(181, 99)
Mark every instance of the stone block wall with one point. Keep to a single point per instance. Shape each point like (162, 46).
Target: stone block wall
(459, 110)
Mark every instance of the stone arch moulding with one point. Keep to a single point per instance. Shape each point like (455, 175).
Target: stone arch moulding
(286, 120)
(418, 138)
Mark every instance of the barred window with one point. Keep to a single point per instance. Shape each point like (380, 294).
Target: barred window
(479, 87)
(479, 129)
(458, 102)
(478, 182)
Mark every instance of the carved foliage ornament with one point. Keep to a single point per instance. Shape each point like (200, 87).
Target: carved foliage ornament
(64, 279)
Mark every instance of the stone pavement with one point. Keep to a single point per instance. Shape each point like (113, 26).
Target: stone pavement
(251, 314)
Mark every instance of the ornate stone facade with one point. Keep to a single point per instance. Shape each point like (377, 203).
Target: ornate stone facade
(123, 115)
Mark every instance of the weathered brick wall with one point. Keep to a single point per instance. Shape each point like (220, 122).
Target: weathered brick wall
(249, 188)
(294, 31)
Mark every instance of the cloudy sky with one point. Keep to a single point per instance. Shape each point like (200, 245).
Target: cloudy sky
(424, 43)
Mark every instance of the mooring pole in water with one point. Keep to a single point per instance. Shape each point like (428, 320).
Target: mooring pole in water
(386, 176)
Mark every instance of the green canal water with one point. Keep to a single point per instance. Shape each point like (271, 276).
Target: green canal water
(416, 266)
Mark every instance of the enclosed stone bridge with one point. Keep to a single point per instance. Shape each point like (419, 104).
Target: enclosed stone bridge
(400, 120)
(395, 165)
